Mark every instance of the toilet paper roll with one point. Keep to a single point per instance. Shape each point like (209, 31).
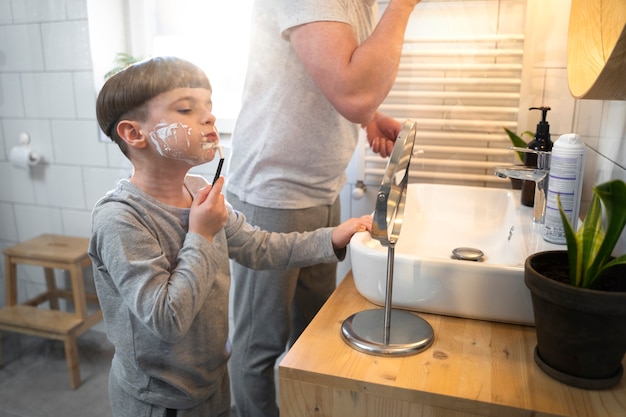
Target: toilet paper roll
(23, 157)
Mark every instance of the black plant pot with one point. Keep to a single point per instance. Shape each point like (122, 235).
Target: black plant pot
(581, 333)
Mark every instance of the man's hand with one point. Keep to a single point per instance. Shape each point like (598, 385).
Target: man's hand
(382, 132)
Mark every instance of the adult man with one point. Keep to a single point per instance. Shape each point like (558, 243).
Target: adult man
(317, 70)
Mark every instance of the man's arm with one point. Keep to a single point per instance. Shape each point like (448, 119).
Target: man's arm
(355, 78)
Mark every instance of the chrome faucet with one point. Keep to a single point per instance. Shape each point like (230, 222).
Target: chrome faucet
(539, 175)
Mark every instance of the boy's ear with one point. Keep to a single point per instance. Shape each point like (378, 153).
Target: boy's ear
(130, 131)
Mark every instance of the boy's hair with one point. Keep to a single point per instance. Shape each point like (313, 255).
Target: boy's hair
(124, 95)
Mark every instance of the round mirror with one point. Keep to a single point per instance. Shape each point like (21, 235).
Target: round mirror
(389, 211)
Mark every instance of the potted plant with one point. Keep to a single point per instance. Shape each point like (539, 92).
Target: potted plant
(122, 60)
(579, 296)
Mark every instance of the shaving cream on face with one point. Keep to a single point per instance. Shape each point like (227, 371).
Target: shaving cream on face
(173, 140)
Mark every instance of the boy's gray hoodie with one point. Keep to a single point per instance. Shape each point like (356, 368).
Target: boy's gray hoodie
(164, 291)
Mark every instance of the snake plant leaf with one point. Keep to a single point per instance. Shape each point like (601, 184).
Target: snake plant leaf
(517, 141)
(590, 237)
(582, 245)
(590, 248)
(613, 196)
(574, 250)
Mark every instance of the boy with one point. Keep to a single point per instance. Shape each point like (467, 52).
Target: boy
(162, 241)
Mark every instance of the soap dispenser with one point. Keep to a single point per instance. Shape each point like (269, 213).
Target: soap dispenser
(541, 142)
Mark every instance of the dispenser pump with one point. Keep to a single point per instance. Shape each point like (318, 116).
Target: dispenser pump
(543, 128)
(541, 142)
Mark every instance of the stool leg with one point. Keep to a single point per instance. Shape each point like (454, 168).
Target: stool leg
(11, 280)
(53, 295)
(78, 288)
(71, 357)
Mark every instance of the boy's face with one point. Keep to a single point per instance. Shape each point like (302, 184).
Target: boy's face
(181, 125)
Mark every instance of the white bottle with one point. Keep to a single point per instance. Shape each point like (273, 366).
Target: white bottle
(567, 163)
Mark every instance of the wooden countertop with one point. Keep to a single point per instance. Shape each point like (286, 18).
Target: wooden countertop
(473, 368)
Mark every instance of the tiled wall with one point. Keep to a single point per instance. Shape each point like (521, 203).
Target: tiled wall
(46, 89)
(602, 124)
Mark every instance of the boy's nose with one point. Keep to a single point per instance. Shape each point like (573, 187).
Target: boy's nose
(209, 118)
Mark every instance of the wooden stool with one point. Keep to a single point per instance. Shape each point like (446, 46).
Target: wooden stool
(51, 252)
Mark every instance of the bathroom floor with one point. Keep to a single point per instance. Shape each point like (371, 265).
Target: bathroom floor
(34, 380)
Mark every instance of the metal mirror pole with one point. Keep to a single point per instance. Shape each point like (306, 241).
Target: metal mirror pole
(389, 292)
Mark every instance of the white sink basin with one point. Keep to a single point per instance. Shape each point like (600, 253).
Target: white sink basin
(438, 219)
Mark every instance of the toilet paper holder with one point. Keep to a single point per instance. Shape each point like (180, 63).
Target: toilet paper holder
(22, 156)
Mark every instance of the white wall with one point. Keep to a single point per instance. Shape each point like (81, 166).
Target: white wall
(46, 89)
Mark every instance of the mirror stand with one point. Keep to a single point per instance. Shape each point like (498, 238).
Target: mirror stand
(371, 331)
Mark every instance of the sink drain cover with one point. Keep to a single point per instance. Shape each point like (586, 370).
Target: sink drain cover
(467, 254)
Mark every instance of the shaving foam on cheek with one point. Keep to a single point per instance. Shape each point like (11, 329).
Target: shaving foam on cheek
(171, 139)
(176, 141)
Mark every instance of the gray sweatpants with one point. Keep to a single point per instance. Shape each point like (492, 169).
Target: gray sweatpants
(272, 308)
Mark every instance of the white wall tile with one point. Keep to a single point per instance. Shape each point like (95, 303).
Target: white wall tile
(8, 229)
(25, 11)
(613, 133)
(604, 170)
(510, 18)
(21, 48)
(3, 152)
(11, 102)
(85, 95)
(40, 136)
(533, 83)
(6, 16)
(614, 120)
(49, 95)
(561, 117)
(76, 143)
(33, 221)
(66, 46)
(61, 186)
(76, 9)
(16, 184)
(99, 181)
(613, 149)
(546, 32)
(117, 159)
(76, 222)
(588, 120)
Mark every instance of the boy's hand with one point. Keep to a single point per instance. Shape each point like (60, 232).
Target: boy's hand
(208, 213)
(343, 233)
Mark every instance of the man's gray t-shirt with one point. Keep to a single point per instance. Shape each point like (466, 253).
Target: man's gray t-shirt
(290, 146)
